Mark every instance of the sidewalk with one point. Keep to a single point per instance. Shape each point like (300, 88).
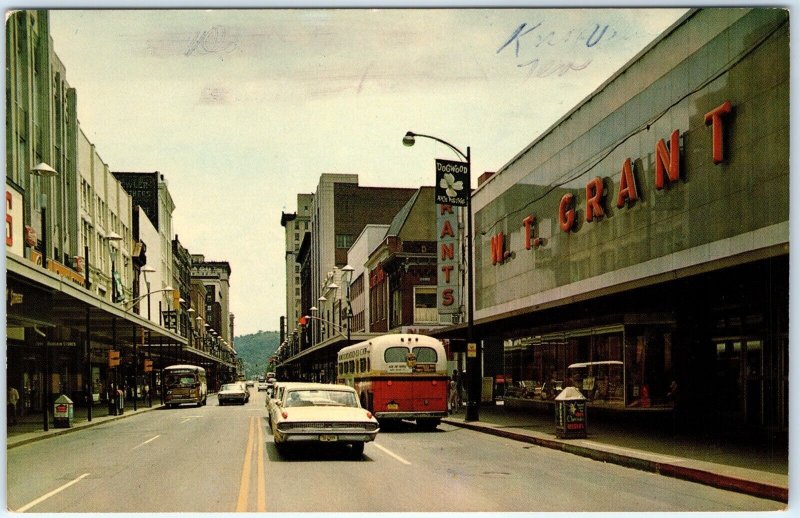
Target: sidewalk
(757, 469)
(30, 428)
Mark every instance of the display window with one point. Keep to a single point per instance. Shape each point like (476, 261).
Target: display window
(625, 366)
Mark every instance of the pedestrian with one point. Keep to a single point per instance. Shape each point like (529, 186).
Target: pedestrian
(12, 399)
(459, 388)
(453, 399)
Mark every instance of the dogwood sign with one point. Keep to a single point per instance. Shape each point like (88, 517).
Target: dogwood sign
(452, 183)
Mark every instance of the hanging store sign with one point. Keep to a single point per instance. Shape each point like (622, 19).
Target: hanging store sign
(14, 223)
(452, 183)
(448, 260)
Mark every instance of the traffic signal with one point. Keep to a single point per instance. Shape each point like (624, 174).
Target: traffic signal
(176, 300)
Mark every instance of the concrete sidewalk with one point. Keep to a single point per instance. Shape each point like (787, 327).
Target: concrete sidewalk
(756, 469)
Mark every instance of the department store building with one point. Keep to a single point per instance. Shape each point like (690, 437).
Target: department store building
(641, 243)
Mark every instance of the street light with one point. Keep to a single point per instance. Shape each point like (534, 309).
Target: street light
(43, 171)
(473, 362)
(113, 237)
(145, 270)
(347, 274)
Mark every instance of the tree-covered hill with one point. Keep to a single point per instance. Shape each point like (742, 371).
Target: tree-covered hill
(256, 349)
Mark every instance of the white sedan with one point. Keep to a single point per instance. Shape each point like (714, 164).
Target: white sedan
(316, 412)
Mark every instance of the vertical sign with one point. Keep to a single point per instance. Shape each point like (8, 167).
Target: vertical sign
(452, 183)
(448, 259)
(14, 222)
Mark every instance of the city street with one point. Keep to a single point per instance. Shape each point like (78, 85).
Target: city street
(221, 459)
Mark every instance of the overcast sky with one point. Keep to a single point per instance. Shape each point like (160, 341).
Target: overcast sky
(243, 109)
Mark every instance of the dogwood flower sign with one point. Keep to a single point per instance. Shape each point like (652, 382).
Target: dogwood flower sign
(452, 183)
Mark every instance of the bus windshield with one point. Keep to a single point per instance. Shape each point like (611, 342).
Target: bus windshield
(180, 380)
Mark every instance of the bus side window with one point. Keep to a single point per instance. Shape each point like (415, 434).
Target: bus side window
(363, 365)
(352, 365)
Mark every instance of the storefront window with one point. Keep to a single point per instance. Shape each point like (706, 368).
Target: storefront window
(648, 366)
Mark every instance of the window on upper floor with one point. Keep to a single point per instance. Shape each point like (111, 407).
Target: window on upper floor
(425, 310)
(344, 240)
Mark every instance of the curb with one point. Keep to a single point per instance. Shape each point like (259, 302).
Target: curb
(61, 431)
(749, 487)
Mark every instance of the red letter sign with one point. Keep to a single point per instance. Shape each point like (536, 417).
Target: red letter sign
(594, 195)
(627, 185)
(566, 214)
(669, 161)
(714, 118)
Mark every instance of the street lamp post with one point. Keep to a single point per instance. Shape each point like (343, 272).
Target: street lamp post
(347, 272)
(473, 359)
(113, 237)
(145, 271)
(43, 171)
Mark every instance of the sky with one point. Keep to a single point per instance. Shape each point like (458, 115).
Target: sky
(241, 110)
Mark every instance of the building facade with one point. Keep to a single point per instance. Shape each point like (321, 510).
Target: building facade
(295, 224)
(340, 211)
(648, 229)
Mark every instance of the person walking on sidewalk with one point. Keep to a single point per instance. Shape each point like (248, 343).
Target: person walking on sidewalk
(453, 396)
(11, 402)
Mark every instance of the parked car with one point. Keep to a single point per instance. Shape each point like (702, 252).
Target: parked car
(250, 383)
(232, 393)
(321, 413)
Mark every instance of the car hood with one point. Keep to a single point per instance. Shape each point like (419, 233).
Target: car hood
(332, 413)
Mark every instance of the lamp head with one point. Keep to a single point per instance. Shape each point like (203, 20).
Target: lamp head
(322, 299)
(313, 308)
(408, 140)
(148, 269)
(333, 286)
(43, 170)
(113, 236)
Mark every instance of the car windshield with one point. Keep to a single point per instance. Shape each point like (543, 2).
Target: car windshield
(321, 397)
(230, 387)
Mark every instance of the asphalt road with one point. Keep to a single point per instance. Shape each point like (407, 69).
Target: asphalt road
(222, 459)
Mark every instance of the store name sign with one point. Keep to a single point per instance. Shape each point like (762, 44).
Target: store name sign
(14, 222)
(668, 160)
(448, 260)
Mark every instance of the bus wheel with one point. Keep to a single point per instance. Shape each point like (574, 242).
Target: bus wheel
(428, 424)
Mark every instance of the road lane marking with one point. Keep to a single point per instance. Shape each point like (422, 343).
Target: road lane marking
(244, 484)
(51, 493)
(145, 442)
(391, 454)
(261, 501)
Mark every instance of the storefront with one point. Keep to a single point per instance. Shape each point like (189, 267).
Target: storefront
(638, 249)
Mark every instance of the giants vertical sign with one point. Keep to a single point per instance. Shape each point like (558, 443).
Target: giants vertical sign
(14, 236)
(448, 294)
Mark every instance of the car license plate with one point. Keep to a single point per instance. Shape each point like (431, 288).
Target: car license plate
(328, 438)
(392, 406)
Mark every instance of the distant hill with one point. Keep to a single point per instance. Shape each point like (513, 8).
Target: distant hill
(256, 349)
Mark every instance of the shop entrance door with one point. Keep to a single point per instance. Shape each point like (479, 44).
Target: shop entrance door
(739, 381)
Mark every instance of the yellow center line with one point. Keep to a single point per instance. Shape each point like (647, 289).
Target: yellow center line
(261, 497)
(244, 484)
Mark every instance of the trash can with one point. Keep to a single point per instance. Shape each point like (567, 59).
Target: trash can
(570, 414)
(62, 412)
(120, 402)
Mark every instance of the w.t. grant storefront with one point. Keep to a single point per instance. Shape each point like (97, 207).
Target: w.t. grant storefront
(639, 248)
